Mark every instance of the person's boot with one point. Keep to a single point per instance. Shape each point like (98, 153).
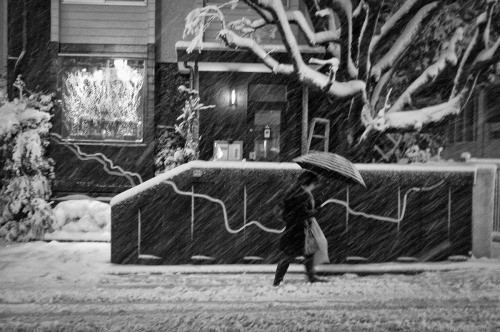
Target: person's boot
(280, 272)
(311, 276)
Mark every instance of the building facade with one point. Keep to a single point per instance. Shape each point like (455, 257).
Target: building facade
(117, 64)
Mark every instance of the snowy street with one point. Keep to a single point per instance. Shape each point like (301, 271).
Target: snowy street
(59, 286)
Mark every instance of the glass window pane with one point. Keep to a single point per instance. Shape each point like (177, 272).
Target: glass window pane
(103, 99)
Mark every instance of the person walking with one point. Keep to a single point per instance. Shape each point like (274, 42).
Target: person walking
(298, 214)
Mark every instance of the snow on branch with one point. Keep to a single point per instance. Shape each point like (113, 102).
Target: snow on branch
(199, 19)
(407, 9)
(232, 40)
(336, 89)
(313, 38)
(415, 119)
(384, 81)
(246, 25)
(487, 57)
(366, 35)
(476, 51)
(447, 57)
(344, 10)
(404, 41)
(486, 30)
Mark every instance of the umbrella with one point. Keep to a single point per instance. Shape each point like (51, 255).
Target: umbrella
(330, 165)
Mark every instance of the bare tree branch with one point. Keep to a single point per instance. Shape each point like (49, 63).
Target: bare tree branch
(313, 38)
(486, 32)
(343, 8)
(358, 25)
(476, 46)
(294, 16)
(305, 73)
(447, 57)
(487, 57)
(232, 40)
(404, 41)
(366, 37)
(266, 15)
(408, 9)
(384, 81)
(415, 119)
(355, 44)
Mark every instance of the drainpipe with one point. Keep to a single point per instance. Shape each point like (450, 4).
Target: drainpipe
(25, 36)
(191, 75)
(196, 79)
(194, 85)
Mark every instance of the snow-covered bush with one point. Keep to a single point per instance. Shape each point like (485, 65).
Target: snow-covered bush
(166, 147)
(170, 151)
(92, 215)
(25, 170)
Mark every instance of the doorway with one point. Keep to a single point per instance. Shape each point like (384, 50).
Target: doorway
(266, 107)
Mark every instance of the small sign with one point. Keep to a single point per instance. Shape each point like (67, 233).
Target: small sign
(234, 152)
(225, 151)
(267, 132)
(220, 150)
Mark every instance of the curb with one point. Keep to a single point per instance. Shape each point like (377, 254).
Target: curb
(331, 269)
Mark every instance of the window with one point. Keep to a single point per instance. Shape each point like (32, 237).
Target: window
(266, 103)
(107, 2)
(103, 98)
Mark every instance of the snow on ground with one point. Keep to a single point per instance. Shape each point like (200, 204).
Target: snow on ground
(56, 265)
(72, 286)
(81, 220)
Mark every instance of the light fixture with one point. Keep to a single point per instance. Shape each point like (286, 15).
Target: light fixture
(233, 97)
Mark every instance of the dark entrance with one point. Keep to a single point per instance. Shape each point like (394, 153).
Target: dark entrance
(266, 114)
(266, 107)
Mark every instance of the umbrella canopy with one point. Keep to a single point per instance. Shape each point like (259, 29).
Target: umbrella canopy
(330, 165)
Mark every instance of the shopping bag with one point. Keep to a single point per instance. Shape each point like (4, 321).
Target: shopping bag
(311, 245)
(321, 255)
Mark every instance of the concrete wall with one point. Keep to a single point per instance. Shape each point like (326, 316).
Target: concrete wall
(483, 210)
(487, 194)
(448, 211)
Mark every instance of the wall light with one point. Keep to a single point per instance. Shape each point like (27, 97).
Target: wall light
(233, 97)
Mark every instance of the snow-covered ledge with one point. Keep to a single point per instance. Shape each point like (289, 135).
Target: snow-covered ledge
(199, 164)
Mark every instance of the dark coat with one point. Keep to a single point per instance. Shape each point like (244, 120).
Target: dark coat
(298, 207)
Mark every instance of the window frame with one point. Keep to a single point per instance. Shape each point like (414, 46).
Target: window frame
(106, 2)
(107, 141)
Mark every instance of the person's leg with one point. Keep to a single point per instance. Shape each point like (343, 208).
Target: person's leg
(309, 265)
(281, 269)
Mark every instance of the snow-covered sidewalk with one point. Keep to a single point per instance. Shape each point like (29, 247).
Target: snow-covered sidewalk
(72, 286)
(84, 260)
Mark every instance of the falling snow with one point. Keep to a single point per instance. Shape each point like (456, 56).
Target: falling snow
(70, 286)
